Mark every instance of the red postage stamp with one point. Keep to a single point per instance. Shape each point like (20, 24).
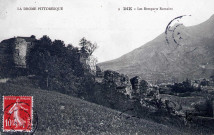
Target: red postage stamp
(17, 113)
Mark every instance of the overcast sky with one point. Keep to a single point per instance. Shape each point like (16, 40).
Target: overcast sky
(115, 31)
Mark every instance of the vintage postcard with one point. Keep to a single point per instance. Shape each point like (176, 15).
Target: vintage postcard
(106, 67)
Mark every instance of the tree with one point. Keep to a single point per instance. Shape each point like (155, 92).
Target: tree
(58, 48)
(33, 36)
(70, 47)
(59, 68)
(38, 56)
(183, 87)
(45, 42)
(87, 47)
(212, 77)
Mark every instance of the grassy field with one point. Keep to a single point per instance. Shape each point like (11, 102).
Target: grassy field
(59, 114)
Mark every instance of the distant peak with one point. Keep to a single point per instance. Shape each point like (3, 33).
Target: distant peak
(212, 17)
(210, 20)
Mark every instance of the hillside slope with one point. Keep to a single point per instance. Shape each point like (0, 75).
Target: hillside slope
(191, 56)
(62, 114)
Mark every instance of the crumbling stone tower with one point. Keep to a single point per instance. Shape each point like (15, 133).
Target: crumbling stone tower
(14, 51)
(22, 47)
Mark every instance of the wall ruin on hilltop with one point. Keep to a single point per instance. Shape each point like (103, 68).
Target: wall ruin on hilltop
(20, 52)
(89, 62)
(17, 49)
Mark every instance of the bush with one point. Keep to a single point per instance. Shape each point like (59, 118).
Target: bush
(183, 87)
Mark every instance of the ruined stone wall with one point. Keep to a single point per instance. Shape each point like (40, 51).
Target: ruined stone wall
(120, 81)
(13, 54)
(20, 52)
(92, 61)
(89, 63)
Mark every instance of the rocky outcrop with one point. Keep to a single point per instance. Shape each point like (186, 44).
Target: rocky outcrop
(120, 81)
(139, 86)
(135, 81)
(133, 87)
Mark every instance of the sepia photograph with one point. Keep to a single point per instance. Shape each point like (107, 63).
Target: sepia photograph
(106, 67)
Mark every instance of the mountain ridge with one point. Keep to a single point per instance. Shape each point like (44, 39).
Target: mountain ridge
(157, 57)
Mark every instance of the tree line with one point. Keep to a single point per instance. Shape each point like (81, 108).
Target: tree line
(58, 66)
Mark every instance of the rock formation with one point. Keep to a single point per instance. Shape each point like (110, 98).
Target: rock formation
(120, 81)
(139, 86)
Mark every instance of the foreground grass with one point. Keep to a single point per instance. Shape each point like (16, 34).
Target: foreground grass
(66, 115)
